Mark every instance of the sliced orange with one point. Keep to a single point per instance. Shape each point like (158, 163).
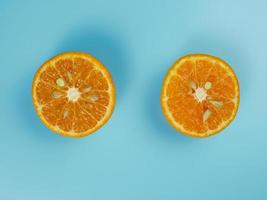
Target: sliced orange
(200, 95)
(73, 94)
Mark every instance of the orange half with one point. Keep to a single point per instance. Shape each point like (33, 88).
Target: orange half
(200, 95)
(73, 94)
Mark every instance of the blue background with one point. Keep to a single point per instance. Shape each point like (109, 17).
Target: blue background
(136, 155)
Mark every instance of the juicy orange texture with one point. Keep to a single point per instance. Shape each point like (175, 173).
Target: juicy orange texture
(73, 94)
(200, 95)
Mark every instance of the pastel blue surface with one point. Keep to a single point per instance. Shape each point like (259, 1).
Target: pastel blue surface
(136, 155)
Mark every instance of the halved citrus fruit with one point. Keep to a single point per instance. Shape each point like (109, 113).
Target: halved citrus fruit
(73, 94)
(200, 95)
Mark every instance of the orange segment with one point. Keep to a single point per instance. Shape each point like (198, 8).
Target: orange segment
(200, 95)
(73, 94)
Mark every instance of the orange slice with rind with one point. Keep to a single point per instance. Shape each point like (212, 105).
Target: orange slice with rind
(73, 94)
(200, 95)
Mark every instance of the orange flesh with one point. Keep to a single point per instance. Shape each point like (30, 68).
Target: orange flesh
(190, 105)
(73, 94)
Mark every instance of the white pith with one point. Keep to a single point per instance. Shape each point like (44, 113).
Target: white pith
(73, 94)
(200, 94)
